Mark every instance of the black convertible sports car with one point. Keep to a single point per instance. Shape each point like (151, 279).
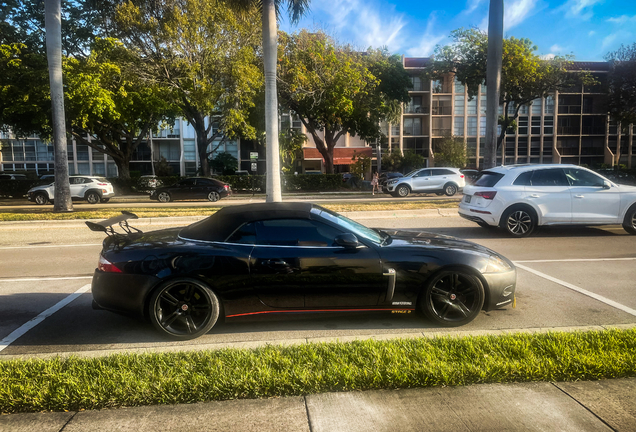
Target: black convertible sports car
(282, 258)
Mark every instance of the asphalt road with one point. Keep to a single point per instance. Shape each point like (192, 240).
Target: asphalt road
(566, 277)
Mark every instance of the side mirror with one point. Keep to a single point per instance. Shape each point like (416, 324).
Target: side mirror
(606, 184)
(347, 240)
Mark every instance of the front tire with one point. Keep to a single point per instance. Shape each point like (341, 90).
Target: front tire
(450, 189)
(164, 197)
(402, 191)
(41, 199)
(453, 298)
(93, 198)
(629, 223)
(519, 221)
(183, 309)
(214, 196)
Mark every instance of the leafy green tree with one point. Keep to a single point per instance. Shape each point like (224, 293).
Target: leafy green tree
(205, 54)
(622, 84)
(109, 102)
(361, 165)
(451, 152)
(524, 76)
(333, 90)
(291, 146)
(163, 168)
(270, 13)
(412, 161)
(225, 163)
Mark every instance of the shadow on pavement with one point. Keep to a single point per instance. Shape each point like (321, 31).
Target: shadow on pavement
(542, 232)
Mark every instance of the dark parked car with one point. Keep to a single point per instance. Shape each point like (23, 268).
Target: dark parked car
(290, 258)
(386, 176)
(192, 188)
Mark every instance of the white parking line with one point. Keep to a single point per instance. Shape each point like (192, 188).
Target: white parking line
(579, 290)
(46, 279)
(576, 260)
(20, 331)
(49, 246)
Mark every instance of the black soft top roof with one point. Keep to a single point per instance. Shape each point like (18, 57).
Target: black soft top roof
(223, 223)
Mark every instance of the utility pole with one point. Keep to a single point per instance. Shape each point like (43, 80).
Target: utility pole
(53, 25)
(493, 80)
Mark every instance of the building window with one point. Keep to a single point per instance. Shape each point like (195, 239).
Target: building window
(459, 87)
(459, 126)
(482, 104)
(535, 125)
(523, 125)
(548, 125)
(414, 105)
(417, 83)
(536, 106)
(471, 106)
(441, 126)
(412, 126)
(459, 105)
(484, 88)
(535, 146)
(549, 105)
(441, 105)
(523, 109)
(471, 126)
(395, 129)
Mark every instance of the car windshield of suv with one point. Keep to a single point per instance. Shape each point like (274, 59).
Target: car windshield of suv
(348, 224)
(488, 179)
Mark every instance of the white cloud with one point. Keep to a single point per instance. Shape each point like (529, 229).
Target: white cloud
(471, 5)
(547, 56)
(607, 40)
(428, 42)
(515, 12)
(556, 48)
(580, 8)
(591, 33)
(622, 19)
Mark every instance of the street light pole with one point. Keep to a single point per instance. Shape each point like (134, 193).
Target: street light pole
(493, 80)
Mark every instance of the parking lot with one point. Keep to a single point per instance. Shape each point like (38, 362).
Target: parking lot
(567, 277)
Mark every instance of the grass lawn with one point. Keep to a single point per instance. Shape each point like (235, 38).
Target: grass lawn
(275, 371)
(147, 212)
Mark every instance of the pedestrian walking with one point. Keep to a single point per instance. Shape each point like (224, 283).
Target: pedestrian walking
(374, 183)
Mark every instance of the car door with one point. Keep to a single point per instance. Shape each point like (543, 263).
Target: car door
(549, 191)
(422, 180)
(440, 177)
(78, 186)
(296, 263)
(201, 188)
(182, 190)
(592, 200)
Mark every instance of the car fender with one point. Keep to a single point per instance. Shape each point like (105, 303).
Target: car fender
(98, 191)
(532, 205)
(626, 209)
(464, 267)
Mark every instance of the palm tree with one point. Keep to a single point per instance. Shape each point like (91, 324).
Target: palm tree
(53, 24)
(270, 10)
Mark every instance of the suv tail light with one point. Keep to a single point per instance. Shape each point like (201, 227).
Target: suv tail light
(106, 266)
(486, 195)
(461, 176)
(102, 184)
(226, 187)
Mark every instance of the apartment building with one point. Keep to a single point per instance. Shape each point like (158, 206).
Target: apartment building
(566, 127)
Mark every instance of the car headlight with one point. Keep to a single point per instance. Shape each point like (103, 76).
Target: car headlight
(390, 182)
(496, 265)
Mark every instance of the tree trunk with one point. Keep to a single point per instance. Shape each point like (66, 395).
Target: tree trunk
(493, 80)
(123, 167)
(270, 57)
(53, 24)
(202, 146)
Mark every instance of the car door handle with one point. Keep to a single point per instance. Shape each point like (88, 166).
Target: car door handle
(579, 196)
(276, 263)
(535, 196)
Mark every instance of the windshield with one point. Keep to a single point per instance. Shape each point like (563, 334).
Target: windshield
(349, 225)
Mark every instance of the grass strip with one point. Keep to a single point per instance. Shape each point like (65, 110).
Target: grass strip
(171, 378)
(154, 212)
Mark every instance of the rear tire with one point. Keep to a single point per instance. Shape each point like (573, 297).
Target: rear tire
(629, 223)
(41, 199)
(453, 298)
(450, 189)
(183, 309)
(93, 198)
(214, 196)
(519, 221)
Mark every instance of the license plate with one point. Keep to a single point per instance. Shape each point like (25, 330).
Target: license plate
(467, 198)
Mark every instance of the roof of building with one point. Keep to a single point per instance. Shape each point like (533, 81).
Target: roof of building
(413, 62)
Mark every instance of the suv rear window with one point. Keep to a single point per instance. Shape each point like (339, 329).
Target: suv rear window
(488, 179)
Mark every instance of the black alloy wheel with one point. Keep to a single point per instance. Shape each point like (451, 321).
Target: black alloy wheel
(93, 197)
(214, 196)
(164, 197)
(403, 191)
(450, 189)
(629, 223)
(519, 222)
(41, 199)
(453, 298)
(183, 309)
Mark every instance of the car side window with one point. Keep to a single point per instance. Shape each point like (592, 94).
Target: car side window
(443, 172)
(204, 182)
(75, 180)
(423, 173)
(579, 177)
(295, 232)
(523, 179)
(186, 182)
(246, 234)
(549, 177)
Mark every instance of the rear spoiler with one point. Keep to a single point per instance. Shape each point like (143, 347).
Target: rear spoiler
(106, 226)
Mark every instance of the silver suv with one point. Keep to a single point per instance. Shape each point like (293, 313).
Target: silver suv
(426, 180)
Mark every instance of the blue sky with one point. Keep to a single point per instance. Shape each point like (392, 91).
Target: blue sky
(588, 29)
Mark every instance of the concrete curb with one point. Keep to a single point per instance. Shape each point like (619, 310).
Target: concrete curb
(299, 341)
(176, 220)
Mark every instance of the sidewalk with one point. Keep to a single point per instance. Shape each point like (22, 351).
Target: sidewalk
(607, 405)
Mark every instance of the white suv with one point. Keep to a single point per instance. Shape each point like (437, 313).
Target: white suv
(426, 180)
(518, 198)
(89, 188)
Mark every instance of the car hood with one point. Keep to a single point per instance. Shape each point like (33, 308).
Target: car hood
(404, 238)
(627, 188)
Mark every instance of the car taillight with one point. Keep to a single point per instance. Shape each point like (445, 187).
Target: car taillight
(102, 184)
(227, 187)
(106, 266)
(461, 176)
(486, 195)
